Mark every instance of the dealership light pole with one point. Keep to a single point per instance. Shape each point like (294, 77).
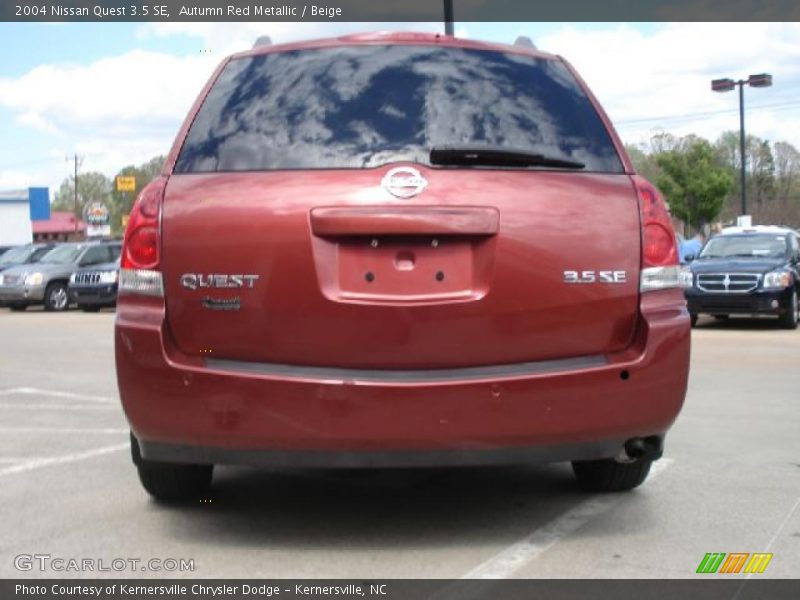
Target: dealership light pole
(726, 85)
(77, 162)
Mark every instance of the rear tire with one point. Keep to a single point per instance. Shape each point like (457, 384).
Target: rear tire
(171, 482)
(693, 318)
(56, 297)
(788, 320)
(608, 475)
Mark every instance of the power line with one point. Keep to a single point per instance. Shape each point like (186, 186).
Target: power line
(35, 161)
(690, 116)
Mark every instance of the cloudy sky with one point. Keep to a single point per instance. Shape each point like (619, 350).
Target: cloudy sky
(116, 93)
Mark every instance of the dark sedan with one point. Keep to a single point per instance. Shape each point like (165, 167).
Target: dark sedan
(746, 271)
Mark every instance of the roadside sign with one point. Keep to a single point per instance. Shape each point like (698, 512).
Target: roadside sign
(97, 220)
(126, 183)
(93, 231)
(96, 213)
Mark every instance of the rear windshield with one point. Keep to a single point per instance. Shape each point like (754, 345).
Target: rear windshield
(366, 106)
(745, 246)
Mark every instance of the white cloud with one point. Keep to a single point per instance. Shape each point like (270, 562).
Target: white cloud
(125, 109)
(37, 121)
(23, 178)
(669, 72)
(225, 38)
(117, 110)
(114, 92)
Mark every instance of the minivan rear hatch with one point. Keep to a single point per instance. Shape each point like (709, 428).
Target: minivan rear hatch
(353, 206)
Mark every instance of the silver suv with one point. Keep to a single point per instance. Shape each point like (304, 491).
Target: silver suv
(45, 282)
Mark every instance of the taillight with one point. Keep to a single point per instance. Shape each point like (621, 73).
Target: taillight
(660, 268)
(141, 250)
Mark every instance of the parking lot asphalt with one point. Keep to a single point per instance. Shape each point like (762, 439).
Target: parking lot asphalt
(730, 482)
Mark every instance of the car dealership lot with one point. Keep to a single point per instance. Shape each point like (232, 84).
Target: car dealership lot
(730, 483)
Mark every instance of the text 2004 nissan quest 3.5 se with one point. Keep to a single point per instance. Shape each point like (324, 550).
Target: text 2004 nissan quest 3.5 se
(398, 250)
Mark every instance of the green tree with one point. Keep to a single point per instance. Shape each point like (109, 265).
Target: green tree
(92, 187)
(787, 170)
(693, 181)
(663, 142)
(762, 186)
(761, 165)
(122, 202)
(96, 187)
(644, 163)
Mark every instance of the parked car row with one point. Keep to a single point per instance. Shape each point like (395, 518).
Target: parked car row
(56, 275)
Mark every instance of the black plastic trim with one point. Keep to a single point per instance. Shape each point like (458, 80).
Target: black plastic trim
(335, 459)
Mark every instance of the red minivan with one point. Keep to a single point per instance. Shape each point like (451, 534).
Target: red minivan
(398, 250)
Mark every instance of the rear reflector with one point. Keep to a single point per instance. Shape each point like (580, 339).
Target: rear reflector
(141, 281)
(659, 278)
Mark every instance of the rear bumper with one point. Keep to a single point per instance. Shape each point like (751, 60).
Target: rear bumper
(757, 302)
(188, 409)
(342, 459)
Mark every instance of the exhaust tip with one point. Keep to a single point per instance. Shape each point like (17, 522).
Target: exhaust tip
(648, 448)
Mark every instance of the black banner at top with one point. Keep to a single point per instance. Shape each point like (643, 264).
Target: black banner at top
(400, 10)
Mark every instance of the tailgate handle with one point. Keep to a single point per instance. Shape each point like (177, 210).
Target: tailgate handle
(412, 220)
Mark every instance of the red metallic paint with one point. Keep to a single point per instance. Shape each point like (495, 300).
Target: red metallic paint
(404, 220)
(306, 309)
(170, 397)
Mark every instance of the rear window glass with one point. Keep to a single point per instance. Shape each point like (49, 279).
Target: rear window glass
(366, 106)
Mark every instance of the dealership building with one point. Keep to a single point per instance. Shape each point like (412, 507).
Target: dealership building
(25, 216)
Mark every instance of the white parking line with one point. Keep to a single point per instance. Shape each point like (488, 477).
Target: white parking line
(38, 463)
(56, 394)
(768, 547)
(26, 406)
(508, 561)
(108, 430)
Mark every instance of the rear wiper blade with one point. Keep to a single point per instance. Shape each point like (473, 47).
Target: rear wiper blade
(497, 157)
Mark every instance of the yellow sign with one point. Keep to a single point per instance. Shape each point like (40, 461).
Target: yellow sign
(126, 184)
(124, 220)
